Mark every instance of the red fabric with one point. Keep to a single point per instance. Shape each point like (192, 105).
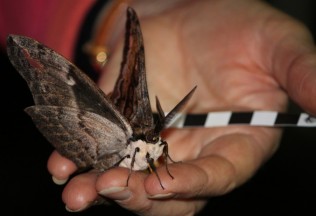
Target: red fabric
(54, 23)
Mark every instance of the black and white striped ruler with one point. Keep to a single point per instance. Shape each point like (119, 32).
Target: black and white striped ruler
(255, 118)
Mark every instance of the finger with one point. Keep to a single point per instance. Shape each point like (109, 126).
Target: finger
(223, 165)
(191, 181)
(292, 56)
(60, 168)
(301, 82)
(112, 184)
(80, 192)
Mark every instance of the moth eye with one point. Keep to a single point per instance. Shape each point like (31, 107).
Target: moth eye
(151, 138)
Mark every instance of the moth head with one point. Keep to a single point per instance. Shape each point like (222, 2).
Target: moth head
(148, 136)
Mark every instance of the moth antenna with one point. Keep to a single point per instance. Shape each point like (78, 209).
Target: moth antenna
(153, 169)
(161, 117)
(179, 106)
(159, 109)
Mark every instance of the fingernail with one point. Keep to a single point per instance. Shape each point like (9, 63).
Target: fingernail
(161, 196)
(111, 190)
(59, 181)
(116, 193)
(77, 210)
(99, 201)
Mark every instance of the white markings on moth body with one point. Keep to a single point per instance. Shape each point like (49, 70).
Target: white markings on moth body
(154, 150)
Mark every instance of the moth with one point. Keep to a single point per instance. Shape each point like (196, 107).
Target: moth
(90, 128)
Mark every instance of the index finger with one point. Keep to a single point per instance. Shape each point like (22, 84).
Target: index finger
(222, 165)
(60, 167)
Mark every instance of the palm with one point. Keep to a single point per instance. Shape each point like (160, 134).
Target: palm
(238, 53)
(228, 62)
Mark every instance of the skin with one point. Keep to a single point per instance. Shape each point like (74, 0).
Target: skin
(242, 55)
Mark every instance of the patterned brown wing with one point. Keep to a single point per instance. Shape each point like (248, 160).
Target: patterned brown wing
(55, 81)
(70, 110)
(130, 93)
(82, 136)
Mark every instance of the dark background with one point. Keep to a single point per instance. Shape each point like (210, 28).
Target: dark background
(285, 184)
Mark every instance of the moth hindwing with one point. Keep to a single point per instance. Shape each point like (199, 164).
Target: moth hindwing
(79, 120)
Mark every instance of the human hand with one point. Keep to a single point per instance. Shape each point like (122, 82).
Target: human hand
(242, 55)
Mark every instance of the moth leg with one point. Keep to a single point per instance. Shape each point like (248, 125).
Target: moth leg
(152, 168)
(132, 165)
(166, 156)
(166, 152)
(118, 163)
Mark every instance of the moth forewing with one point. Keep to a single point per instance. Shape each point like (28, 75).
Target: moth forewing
(130, 94)
(55, 81)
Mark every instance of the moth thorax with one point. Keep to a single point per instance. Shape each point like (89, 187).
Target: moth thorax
(141, 150)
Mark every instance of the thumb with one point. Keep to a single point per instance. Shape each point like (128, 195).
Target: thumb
(293, 63)
(301, 84)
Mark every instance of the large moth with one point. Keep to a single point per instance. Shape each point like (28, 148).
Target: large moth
(90, 128)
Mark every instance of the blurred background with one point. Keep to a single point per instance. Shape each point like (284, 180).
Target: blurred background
(285, 184)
